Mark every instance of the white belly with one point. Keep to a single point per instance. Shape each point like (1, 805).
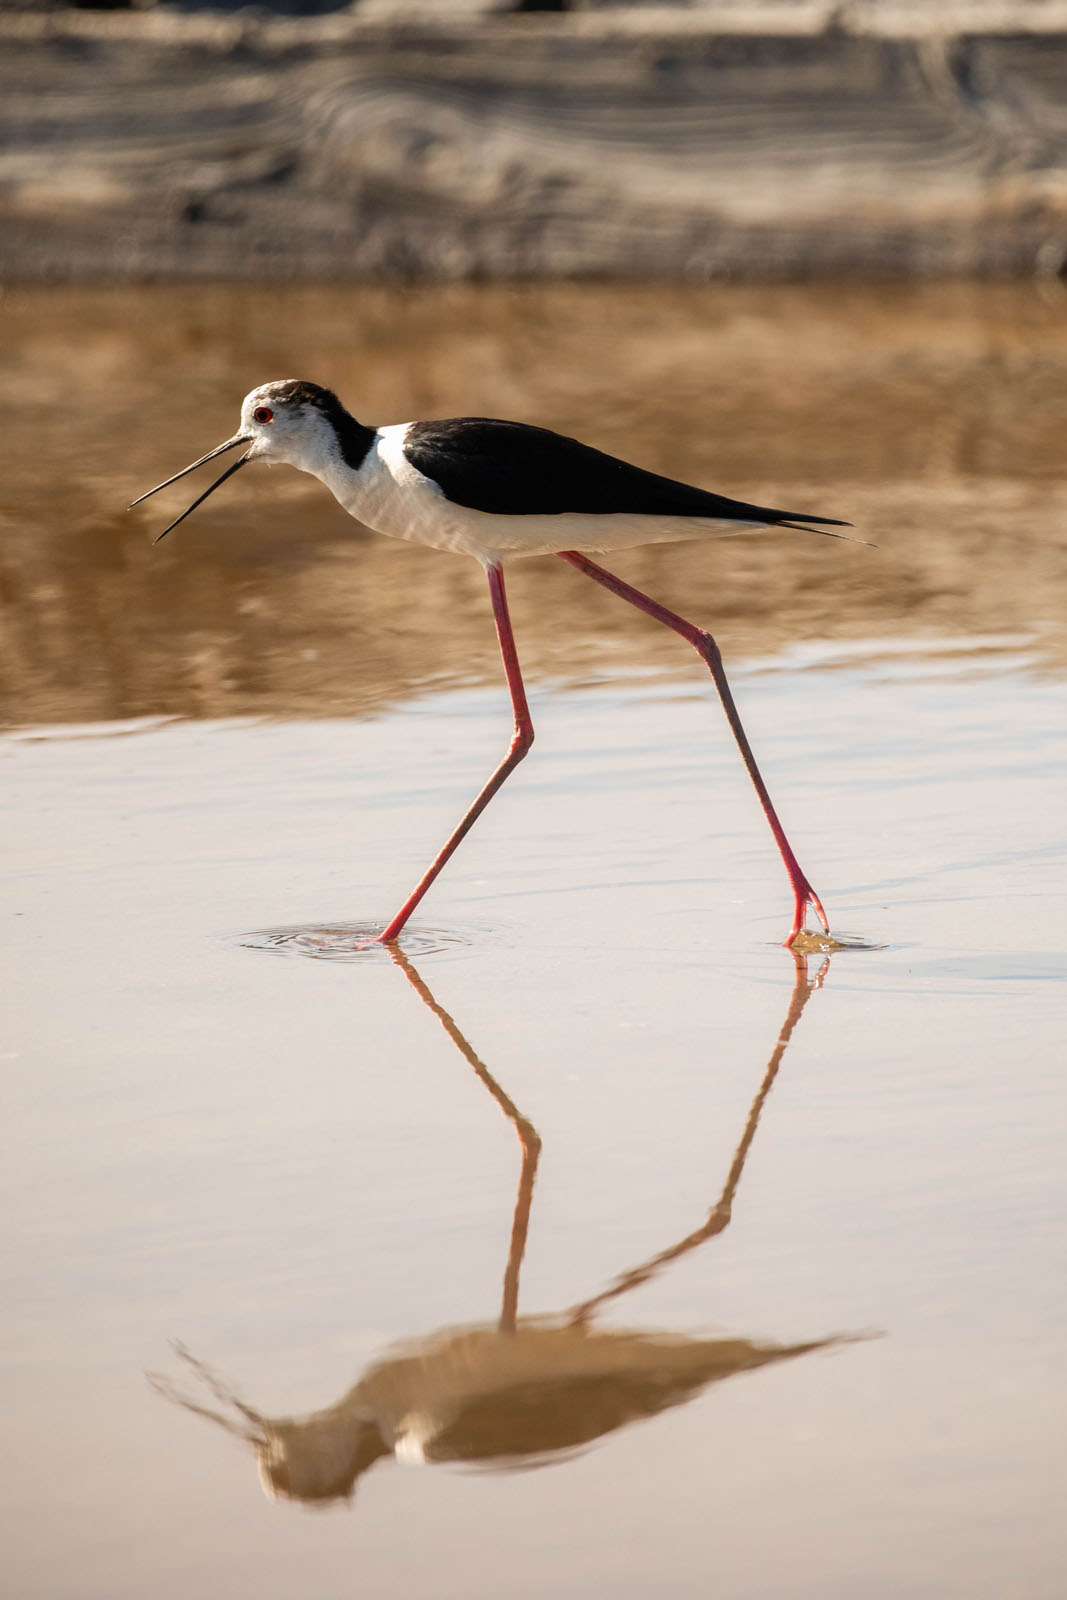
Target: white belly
(389, 495)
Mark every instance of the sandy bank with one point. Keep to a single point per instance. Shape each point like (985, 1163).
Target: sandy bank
(780, 140)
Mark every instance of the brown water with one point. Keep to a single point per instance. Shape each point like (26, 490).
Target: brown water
(760, 1260)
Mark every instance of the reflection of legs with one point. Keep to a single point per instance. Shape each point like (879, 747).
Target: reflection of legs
(803, 893)
(719, 1215)
(529, 1141)
(521, 740)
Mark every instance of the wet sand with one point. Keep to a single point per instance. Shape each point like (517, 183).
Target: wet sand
(759, 1263)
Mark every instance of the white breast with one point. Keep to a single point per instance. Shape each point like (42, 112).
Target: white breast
(391, 496)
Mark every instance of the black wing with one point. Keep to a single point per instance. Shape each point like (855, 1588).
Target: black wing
(514, 469)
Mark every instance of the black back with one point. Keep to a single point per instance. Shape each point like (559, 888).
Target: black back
(514, 469)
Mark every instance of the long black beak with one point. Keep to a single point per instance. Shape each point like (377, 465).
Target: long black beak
(231, 444)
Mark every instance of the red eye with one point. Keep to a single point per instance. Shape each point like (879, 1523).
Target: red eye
(263, 414)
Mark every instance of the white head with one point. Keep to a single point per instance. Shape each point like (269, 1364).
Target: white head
(301, 424)
(291, 421)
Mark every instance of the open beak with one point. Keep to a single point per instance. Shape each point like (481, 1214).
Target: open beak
(231, 444)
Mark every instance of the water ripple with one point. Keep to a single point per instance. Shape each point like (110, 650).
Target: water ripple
(350, 941)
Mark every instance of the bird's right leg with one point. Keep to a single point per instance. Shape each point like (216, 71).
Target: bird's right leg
(705, 646)
(521, 740)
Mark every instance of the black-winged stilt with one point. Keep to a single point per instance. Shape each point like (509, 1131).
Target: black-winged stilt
(497, 490)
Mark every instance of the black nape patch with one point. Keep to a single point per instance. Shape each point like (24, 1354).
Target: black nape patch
(354, 439)
(514, 469)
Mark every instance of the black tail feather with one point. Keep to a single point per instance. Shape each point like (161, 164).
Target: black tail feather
(792, 518)
(803, 524)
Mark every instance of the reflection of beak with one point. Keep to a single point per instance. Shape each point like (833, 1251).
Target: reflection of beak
(231, 444)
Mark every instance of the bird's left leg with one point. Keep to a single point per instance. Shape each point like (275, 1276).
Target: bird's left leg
(702, 641)
(521, 740)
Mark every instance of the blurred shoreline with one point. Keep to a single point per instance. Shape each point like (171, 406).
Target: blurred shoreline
(932, 417)
(450, 142)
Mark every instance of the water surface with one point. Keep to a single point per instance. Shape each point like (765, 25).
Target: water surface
(756, 1258)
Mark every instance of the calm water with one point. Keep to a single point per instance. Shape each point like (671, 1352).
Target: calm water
(760, 1260)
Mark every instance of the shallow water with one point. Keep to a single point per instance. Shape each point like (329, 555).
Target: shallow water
(758, 1259)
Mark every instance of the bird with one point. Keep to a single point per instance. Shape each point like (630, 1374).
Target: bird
(496, 490)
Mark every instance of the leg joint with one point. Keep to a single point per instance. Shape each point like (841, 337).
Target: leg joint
(521, 740)
(705, 643)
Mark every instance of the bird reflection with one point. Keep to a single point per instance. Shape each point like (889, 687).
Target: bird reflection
(521, 1391)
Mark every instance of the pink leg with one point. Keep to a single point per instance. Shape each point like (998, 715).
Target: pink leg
(803, 893)
(521, 740)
